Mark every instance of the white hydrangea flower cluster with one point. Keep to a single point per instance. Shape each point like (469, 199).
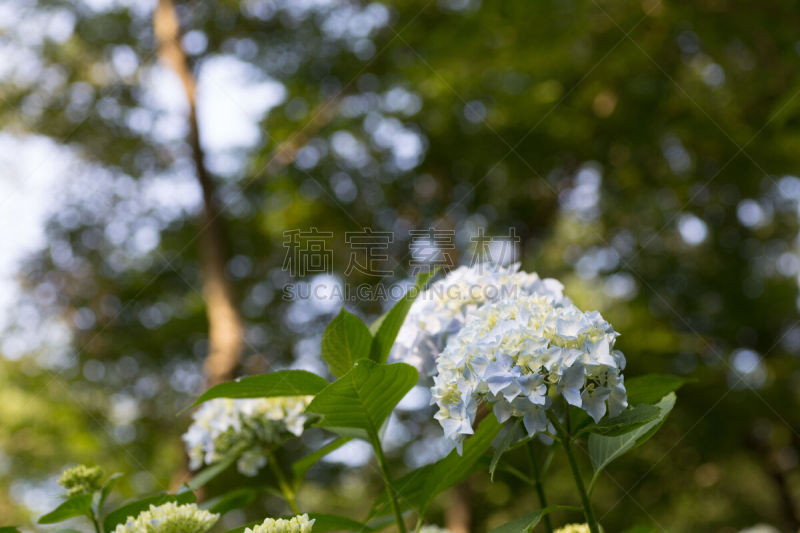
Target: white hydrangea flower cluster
(574, 528)
(224, 425)
(296, 524)
(519, 354)
(170, 518)
(440, 311)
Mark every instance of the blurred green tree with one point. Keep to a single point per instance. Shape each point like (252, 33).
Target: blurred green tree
(644, 153)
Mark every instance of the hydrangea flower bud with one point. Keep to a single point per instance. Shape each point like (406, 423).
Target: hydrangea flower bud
(170, 518)
(520, 353)
(81, 479)
(296, 524)
(245, 426)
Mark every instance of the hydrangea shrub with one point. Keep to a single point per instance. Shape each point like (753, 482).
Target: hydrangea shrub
(510, 360)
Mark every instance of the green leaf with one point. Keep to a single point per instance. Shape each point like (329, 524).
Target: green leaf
(641, 529)
(418, 489)
(523, 524)
(302, 466)
(626, 422)
(604, 449)
(281, 383)
(364, 397)
(9, 529)
(80, 505)
(328, 522)
(509, 435)
(235, 499)
(651, 388)
(376, 325)
(106, 490)
(207, 474)
(118, 516)
(393, 320)
(345, 341)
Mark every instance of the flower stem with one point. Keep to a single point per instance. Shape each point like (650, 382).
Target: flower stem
(566, 441)
(537, 479)
(288, 493)
(95, 523)
(384, 469)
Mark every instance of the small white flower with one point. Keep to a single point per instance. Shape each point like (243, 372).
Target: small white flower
(170, 518)
(519, 353)
(296, 524)
(225, 425)
(440, 311)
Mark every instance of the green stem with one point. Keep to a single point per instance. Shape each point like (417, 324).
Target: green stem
(566, 439)
(382, 465)
(537, 478)
(286, 490)
(95, 523)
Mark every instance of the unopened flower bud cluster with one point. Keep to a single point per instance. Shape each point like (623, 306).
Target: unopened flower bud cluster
(81, 479)
(170, 518)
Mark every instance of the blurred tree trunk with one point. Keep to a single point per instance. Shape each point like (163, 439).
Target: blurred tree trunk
(224, 323)
(458, 516)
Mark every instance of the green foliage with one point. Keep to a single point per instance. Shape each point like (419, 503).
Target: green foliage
(302, 466)
(364, 397)
(616, 87)
(327, 522)
(235, 499)
(281, 383)
(80, 505)
(418, 488)
(346, 340)
(604, 449)
(524, 524)
(627, 421)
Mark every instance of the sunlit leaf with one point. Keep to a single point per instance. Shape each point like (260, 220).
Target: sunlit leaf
(281, 383)
(365, 396)
(345, 341)
(80, 505)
